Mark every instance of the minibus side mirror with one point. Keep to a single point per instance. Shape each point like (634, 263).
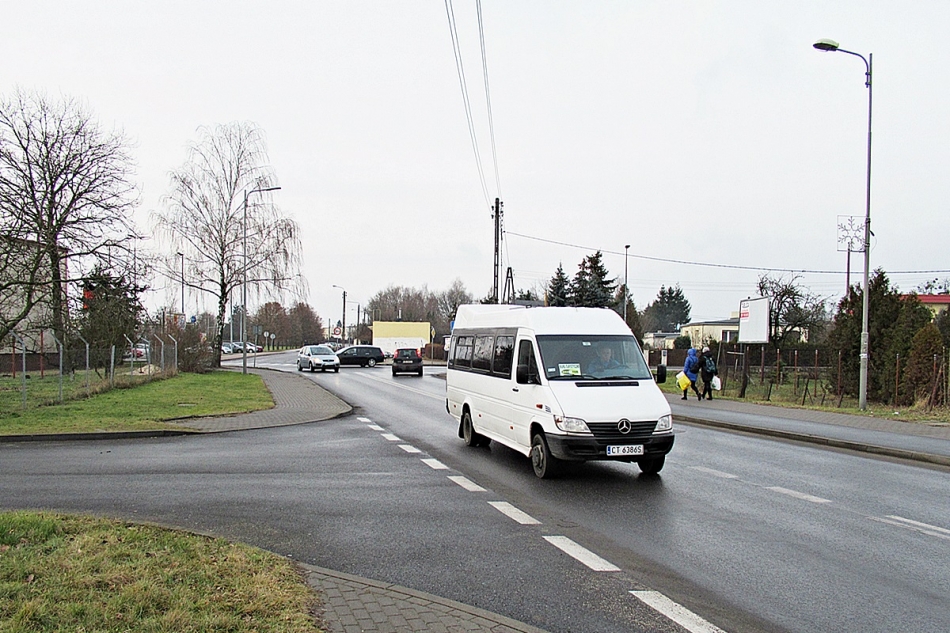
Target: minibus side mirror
(525, 377)
(661, 373)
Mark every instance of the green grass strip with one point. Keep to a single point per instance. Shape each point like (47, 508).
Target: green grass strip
(73, 573)
(147, 406)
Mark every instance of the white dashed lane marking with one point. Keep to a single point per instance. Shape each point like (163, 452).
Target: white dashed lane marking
(581, 554)
(514, 513)
(376, 427)
(798, 495)
(714, 472)
(676, 612)
(466, 483)
(362, 419)
(917, 526)
(409, 448)
(391, 437)
(434, 464)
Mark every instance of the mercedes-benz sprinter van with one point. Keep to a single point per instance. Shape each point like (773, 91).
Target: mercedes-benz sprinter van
(556, 384)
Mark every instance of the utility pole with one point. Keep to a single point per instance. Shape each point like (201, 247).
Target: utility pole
(496, 214)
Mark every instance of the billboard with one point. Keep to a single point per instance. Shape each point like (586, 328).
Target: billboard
(754, 320)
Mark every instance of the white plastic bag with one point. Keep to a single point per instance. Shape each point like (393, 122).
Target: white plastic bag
(716, 383)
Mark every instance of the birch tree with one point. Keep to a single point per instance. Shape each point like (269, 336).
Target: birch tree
(223, 239)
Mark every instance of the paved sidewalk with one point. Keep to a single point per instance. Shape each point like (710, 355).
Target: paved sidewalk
(919, 441)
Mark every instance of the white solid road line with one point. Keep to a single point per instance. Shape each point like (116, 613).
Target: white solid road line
(581, 554)
(797, 495)
(514, 513)
(714, 472)
(435, 464)
(466, 483)
(917, 526)
(409, 448)
(676, 612)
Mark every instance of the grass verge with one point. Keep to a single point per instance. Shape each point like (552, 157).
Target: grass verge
(148, 406)
(74, 573)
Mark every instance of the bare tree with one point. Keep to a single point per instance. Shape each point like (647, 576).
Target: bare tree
(223, 233)
(65, 202)
(792, 310)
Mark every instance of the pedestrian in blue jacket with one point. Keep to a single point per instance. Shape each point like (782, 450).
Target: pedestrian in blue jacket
(691, 369)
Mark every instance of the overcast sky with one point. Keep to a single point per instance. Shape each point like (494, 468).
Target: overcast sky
(700, 131)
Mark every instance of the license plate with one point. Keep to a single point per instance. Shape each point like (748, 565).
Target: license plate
(630, 449)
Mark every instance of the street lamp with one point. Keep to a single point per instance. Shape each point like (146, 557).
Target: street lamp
(244, 280)
(182, 255)
(626, 249)
(343, 331)
(832, 46)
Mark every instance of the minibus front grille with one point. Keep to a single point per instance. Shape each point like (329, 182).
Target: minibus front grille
(610, 431)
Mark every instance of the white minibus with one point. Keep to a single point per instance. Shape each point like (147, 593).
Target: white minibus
(557, 385)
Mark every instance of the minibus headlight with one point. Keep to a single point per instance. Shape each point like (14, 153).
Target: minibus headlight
(665, 423)
(571, 425)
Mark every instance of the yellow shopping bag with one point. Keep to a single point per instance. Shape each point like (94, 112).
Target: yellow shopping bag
(683, 381)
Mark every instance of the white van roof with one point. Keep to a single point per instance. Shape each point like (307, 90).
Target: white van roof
(543, 320)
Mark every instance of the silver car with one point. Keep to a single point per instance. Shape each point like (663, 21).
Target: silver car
(317, 357)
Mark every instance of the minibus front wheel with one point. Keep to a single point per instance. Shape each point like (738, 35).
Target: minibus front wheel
(544, 464)
(468, 432)
(652, 465)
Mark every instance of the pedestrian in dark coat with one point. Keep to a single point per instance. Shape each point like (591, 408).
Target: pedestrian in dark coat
(691, 369)
(707, 369)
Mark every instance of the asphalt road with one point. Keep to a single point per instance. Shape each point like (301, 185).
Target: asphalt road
(752, 534)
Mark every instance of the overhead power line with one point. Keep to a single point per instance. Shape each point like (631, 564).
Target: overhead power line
(713, 265)
(450, 13)
(491, 124)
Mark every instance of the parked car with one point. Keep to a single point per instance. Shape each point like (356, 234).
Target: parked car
(226, 348)
(362, 355)
(407, 360)
(140, 350)
(314, 357)
(236, 346)
(254, 348)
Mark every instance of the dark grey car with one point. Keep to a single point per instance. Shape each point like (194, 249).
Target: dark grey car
(407, 360)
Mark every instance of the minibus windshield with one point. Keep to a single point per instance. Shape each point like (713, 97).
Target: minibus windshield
(592, 357)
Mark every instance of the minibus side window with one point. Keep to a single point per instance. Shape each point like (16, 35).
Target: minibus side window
(481, 357)
(527, 373)
(463, 352)
(504, 352)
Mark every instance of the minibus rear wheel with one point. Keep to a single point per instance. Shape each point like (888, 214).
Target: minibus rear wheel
(468, 432)
(544, 464)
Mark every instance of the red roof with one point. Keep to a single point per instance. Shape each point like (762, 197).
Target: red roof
(934, 299)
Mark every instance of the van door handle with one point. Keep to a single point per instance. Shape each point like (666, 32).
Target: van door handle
(514, 389)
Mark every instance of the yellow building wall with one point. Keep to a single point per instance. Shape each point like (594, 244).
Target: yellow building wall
(401, 329)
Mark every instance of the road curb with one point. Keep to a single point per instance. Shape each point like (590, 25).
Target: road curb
(930, 458)
(105, 435)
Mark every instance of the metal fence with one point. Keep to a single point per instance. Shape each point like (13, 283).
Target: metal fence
(57, 373)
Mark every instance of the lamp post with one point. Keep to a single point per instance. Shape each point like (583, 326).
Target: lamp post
(244, 280)
(343, 331)
(626, 250)
(182, 255)
(832, 46)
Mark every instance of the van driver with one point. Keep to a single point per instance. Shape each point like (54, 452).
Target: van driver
(604, 360)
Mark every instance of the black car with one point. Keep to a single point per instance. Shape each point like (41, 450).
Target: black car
(407, 360)
(362, 355)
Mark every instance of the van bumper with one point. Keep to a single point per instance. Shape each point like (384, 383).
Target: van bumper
(587, 448)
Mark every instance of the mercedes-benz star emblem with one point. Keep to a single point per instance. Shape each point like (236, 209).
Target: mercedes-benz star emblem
(624, 426)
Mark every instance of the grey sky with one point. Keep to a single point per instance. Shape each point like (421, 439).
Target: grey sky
(701, 131)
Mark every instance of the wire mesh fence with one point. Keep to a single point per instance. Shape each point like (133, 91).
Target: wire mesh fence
(31, 377)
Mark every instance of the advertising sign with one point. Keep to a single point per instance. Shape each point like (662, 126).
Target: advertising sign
(754, 320)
